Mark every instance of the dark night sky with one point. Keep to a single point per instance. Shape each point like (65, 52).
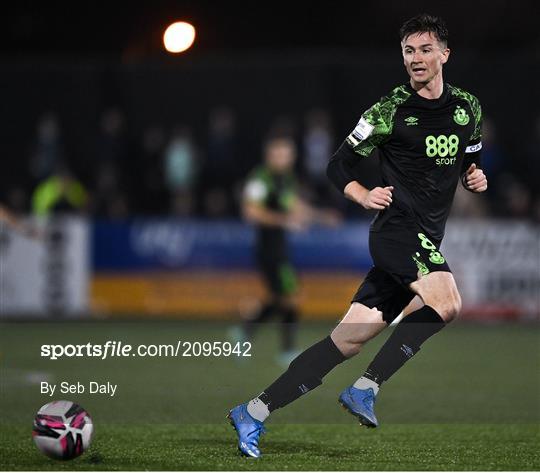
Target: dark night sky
(35, 28)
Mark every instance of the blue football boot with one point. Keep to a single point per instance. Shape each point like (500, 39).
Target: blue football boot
(248, 430)
(360, 403)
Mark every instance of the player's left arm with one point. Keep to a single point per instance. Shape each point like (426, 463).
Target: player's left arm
(472, 176)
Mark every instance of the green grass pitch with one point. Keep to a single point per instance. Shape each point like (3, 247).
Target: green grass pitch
(470, 400)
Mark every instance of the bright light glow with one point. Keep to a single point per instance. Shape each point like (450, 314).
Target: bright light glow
(178, 37)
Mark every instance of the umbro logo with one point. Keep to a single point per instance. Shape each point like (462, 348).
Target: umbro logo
(408, 351)
(410, 121)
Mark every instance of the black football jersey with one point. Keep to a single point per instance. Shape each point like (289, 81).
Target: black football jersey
(424, 146)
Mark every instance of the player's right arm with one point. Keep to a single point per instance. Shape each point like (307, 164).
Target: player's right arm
(377, 198)
(370, 131)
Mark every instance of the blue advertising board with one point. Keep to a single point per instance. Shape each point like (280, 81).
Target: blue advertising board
(173, 244)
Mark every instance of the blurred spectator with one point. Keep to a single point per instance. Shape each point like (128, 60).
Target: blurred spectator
(149, 193)
(108, 199)
(492, 154)
(220, 170)
(111, 141)
(48, 149)
(492, 164)
(532, 165)
(110, 176)
(468, 204)
(180, 168)
(220, 157)
(216, 203)
(283, 125)
(17, 199)
(515, 197)
(318, 143)
(535, 214)
(60, 192)
(157, 176)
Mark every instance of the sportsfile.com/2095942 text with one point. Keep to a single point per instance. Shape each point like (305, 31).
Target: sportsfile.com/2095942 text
(119, 349)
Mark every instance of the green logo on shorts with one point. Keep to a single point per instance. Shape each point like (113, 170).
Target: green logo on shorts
(436, 258)
(420, 265)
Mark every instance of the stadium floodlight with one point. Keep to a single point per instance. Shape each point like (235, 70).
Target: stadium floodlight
(178, 37)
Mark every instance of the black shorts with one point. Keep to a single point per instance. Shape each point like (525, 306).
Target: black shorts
(278, 275)
(400, 255)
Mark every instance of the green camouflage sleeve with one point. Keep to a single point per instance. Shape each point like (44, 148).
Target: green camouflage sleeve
(477, 112)
(375, 125)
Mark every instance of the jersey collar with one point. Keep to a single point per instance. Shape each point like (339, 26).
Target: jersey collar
(429, 102)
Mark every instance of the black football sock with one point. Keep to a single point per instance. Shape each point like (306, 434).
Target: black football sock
(289, 328)
(404, 343)
(262, 315)
(304, 374)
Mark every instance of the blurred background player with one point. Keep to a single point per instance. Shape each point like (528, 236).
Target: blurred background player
(271, 202)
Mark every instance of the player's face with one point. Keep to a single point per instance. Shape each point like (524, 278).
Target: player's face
(423, 56)
(280, 155)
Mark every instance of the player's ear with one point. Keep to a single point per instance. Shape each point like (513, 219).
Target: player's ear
(445, 55)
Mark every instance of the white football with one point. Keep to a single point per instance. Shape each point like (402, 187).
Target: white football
(62, 430)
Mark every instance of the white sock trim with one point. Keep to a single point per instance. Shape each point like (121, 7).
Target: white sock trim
(258, 409)
(365, 383)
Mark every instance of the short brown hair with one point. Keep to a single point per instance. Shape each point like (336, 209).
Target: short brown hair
(425, 23)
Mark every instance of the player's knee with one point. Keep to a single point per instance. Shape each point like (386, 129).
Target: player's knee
(450, 307)
(456, 305)
(347, 348)
(346, 340)
(439, 291)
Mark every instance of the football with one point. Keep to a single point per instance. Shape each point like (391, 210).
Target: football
(62, 430)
